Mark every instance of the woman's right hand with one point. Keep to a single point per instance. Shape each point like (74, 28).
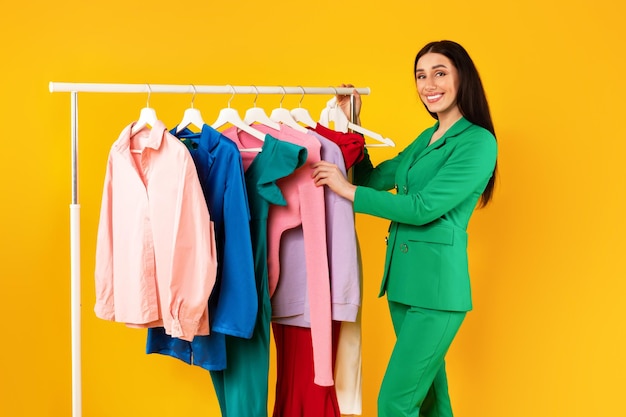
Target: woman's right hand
(325, 173)
(343, 101)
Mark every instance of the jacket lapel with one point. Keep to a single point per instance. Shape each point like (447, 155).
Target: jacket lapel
(453, 131)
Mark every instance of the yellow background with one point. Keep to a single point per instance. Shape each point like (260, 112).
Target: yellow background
(546, 337)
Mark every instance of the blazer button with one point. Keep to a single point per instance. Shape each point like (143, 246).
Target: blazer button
(395, 187)
(405, 189)
(404, 248)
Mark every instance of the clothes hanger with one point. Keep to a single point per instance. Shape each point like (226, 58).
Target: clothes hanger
(328, 114)
(257, 114)
(147, 116)
(282, 115)
(191, 116)
(337, 113)
(301, 114)
(230, 115)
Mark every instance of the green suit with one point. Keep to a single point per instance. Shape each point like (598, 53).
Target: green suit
(436, 190)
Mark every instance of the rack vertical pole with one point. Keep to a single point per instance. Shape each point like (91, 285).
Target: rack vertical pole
(75, 266)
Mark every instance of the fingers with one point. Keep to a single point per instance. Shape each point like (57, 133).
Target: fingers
(343, 100)
(322, 171)
(354, 92)
(325, 173)
(321, 168)
(345, 96)
(322, 163)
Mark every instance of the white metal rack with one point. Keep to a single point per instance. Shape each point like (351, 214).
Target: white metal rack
(74, 89)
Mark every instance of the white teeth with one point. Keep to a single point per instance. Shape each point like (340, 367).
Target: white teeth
(435, 97)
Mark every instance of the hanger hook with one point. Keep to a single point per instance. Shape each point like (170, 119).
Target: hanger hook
(256, 96)
(301, 98)
(193, 97)
(149, 92)
(231, 97)
(283, 97)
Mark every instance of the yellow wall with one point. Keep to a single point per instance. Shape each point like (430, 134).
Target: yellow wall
(546, 337)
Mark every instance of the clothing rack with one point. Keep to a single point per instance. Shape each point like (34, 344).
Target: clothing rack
(74, 89)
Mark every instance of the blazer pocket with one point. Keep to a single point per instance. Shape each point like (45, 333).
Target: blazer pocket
(429, 249)
(437, 234)
(429, 268)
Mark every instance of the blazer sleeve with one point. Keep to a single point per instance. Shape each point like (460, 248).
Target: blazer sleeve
(381, 177)
(465, 172)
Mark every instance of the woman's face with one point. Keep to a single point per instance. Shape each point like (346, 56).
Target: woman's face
(437, 83)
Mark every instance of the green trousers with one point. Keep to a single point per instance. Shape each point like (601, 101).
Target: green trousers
(415, 383)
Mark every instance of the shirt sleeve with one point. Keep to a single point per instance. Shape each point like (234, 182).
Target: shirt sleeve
(380, 178)
(285, 160)
(105, 306)
(351, 145)
(466, 171)
(237, 307)
(194, 259)
(342, 252)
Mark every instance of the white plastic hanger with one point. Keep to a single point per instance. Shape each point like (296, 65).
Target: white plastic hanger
(191, 116)
(257, 115)
(301, 114)
(147, 116)
(328, 115)
(229, 115)
(339, 118)
(383, 141)
(282, 115)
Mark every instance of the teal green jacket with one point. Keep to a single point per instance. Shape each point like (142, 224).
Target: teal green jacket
(437, 188)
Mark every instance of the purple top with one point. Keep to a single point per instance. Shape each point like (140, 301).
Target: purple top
(290, 300)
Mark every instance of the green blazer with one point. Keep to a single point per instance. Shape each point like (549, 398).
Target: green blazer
(436, 190)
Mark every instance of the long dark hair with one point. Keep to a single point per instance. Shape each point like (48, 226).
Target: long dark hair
(470, 98)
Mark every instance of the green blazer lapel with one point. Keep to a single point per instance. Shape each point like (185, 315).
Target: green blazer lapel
(458, 127)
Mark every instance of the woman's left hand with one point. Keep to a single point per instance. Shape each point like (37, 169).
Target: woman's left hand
(325, 173)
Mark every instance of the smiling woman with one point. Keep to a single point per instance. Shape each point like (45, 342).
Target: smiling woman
(466, 92)
(438, 180)
(437, 83)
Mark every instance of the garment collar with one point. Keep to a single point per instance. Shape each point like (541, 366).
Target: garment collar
(155, 136)
(458, 127)
(207, 139)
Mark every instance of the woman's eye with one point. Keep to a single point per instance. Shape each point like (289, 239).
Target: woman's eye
(440, 74)
(420, 76)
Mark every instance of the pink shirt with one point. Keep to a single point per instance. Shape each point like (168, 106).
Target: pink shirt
(155, 251)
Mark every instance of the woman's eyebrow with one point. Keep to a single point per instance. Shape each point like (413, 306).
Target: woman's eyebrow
(434, 67)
